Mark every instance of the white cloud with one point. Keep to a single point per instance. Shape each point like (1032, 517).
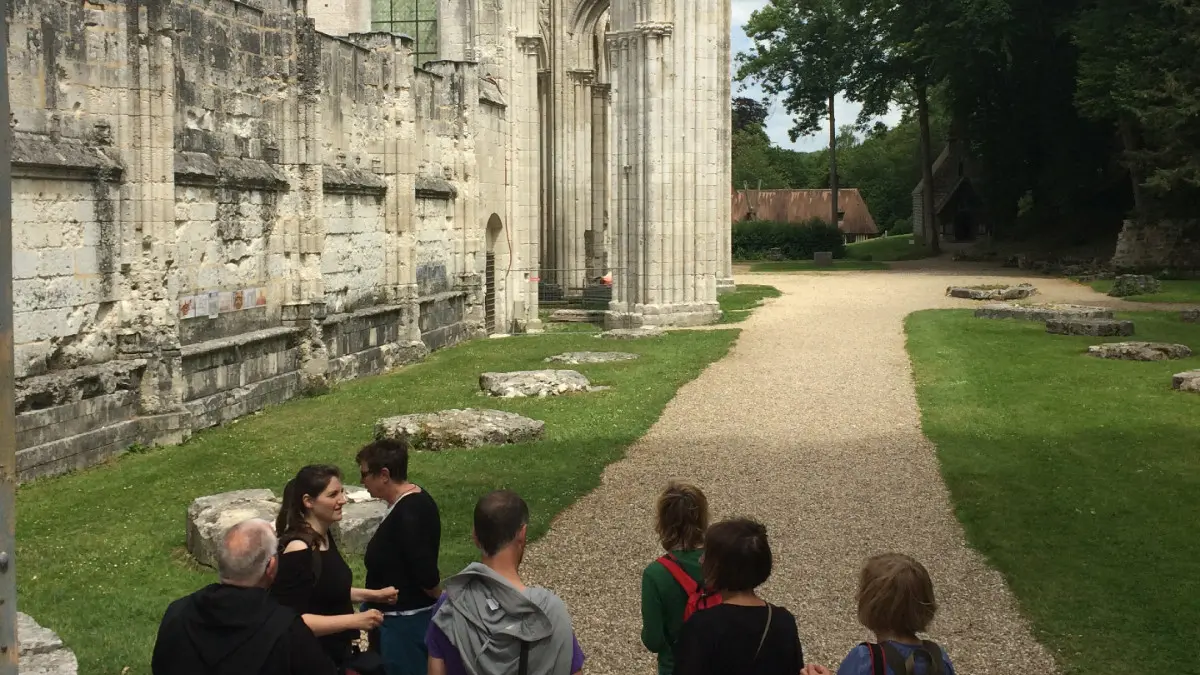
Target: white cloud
(779, 121)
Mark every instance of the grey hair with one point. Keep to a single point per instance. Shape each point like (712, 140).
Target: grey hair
(245, 551)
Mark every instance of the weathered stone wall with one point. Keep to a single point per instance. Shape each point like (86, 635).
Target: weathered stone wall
(217, 207)
(1174, 245)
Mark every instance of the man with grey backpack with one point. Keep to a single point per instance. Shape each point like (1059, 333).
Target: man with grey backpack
(488, 622)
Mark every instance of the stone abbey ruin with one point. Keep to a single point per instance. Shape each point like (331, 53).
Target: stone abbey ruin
(220, 204)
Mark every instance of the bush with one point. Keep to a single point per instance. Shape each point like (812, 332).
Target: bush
(901, 226)
(760, 239)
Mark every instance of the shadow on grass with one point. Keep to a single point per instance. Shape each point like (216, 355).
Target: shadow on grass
(1078, 477)
(100, 550)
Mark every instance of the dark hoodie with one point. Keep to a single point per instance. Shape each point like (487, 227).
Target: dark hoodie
(229, 630)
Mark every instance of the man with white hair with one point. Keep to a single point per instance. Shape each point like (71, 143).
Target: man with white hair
(234, 627)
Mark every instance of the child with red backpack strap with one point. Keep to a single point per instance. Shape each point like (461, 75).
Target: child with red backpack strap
(672, 586)
(895, 601)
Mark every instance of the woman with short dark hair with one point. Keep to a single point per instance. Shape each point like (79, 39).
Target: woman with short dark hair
(402, 554)
(744, 634)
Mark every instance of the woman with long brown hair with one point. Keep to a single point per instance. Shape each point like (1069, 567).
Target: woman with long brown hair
(313, 578)
(681, 517)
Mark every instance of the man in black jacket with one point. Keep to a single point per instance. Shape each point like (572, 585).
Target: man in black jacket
(234, 627)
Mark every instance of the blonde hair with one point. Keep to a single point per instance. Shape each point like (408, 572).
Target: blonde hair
(895, 594)
(682, 517)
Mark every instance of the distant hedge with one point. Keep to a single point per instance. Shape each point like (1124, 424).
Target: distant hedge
(763, 239)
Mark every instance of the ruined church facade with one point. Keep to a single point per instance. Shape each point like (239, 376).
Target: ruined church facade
(222, 204)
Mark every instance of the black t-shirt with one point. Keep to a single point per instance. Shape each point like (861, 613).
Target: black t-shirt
(723, 640)
(404, 552)
(312, 587)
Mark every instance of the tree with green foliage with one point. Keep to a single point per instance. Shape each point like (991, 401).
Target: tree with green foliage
(748, 113)
(803, 53)
(907, 50)
(1138, 70)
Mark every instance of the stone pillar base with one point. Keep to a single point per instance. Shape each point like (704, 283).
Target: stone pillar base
(620, 315)
(725, 285)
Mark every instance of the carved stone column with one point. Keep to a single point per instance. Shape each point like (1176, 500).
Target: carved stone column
(670, 161)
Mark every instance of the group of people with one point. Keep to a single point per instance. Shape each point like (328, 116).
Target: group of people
(285, 603)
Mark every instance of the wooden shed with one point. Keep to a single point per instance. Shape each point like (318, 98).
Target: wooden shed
(797, 206)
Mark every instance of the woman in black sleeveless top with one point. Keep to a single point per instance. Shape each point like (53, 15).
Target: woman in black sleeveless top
(313, 578)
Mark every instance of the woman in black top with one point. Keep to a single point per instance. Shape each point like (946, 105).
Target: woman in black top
(744, 634)
(403, 553)
(313, 578)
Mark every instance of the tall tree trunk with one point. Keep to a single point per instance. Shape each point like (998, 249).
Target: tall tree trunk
(833, 177)
(1129, 142)
(932, 237)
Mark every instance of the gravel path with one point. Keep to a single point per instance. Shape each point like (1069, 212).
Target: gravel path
(810, 424)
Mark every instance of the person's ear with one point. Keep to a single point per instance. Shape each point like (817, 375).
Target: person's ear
(523, 533)
(307, 501)
(272, 569)
(385, 474)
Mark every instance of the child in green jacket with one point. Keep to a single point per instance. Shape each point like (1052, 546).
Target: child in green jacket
(682, 518)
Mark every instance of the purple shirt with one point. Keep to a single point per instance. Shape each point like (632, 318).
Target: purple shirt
(441, 648)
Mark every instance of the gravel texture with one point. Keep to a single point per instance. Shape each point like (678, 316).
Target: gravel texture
(811, 425)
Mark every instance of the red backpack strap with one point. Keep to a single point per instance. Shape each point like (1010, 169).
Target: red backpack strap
(681, 577)
(878, 660)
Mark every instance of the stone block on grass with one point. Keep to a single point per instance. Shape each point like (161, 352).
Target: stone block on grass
(1050, 312)
(540, 383)
(1126, 285)
(41, 651)
(823, 259)
(1190, 316)
(209, 517)
(633, 333)
(575, 358)
(1187, 381)
(467, 428)
(1090, 327)
(1140, 351)
(1018, 292)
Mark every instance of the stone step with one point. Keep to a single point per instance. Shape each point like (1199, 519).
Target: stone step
(1091, 327)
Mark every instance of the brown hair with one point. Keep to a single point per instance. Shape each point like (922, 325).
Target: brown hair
(737, 556)
(292, 521)
(682, 517)
(895, 594)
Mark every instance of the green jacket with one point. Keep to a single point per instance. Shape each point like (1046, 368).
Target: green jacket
(663, 601)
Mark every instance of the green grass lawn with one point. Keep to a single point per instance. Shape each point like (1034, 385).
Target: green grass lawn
(810, 266)
(101, 552)
(1185, 290)
(899, 247)
(1079, 478)
(737, 306)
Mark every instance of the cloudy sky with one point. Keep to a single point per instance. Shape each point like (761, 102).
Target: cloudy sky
(779, 122)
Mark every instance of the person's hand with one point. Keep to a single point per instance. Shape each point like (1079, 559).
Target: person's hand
(386, 596)
(814, 669)
(370, 619)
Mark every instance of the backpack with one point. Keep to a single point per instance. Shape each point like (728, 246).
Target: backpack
(698, 597)
(886, 655)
